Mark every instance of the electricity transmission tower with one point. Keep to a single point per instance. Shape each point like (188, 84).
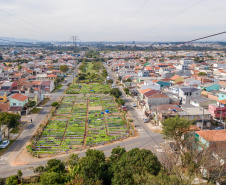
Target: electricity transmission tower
(74, 38)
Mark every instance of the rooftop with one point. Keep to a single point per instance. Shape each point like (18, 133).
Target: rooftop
(213, 135)
(19, 97)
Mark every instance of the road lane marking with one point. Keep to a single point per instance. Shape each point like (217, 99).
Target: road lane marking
(11, 153)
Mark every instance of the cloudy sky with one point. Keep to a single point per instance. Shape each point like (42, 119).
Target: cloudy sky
(112, 20)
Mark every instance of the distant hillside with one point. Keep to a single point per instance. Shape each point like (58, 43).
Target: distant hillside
(12, 39)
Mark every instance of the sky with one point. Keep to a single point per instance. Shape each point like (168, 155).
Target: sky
(113, 20)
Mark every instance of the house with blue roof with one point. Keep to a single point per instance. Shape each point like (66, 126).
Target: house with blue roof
(163, 84)
(209, 87)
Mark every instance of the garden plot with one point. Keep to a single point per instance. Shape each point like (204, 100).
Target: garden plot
(67, 102)
(52, 136)
(73, 89)
(100, 88)
(82, 121)
(86, 88)
(116, 126)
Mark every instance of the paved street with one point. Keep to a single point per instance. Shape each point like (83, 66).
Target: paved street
(146, 138)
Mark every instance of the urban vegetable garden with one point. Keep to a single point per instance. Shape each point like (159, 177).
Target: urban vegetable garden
(86, 116)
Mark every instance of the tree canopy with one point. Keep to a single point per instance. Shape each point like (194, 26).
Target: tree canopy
(64, 68)
(9, 119)
(116, 92)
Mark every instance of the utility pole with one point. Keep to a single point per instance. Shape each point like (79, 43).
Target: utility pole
(74, 38)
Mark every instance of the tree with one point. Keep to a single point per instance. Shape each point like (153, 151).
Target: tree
(104, 73)
(175, 127)
(12, 180)
(64, 68)
(93, 166)
(50, 68)
(119, 78)
(73, 166)
(110, 81)
(202, 73)
(52, 178)
(126, 90)
(1, 58)
(162, 178)
(40, 170)
(81, 76)
(10, 120)
(19, 174)
(120, 101)
(116, 154)
(128, 80)
(133, 162)
(30, 104)
(19, 67)
(72, 161)
(55, 165)
(116, 92)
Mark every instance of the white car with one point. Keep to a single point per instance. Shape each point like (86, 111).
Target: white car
(4, 144)
(134, 104)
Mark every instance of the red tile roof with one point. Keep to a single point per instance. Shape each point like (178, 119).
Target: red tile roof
(145, 90)
(213, 135)
(19, 97)
(51, 76)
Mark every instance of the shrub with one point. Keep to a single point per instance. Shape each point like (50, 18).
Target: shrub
(54, 104)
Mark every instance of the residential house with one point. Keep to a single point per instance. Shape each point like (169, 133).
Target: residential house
(217, 111)
(187, 93)
(47, 86)
(215, 140)
(8, 86)
(153, 97)
(18, 100)
(201, 102)
(176, 79)
(149, 84)
(163, 84)
(198, 115)
(209, 87)
(3, 97)
(191, 82)
(175, 89)
(143, 73)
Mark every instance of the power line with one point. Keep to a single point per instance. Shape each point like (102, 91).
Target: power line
(173, 16)
(43, 29)
(134, 15)
(205, 37)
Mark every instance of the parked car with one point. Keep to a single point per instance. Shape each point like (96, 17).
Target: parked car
(4, 144)
(124, 108)
(113, 86)
(219, 128)
(145, 120)
(134, 104)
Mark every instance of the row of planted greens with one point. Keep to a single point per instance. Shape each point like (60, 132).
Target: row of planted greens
(84, 88)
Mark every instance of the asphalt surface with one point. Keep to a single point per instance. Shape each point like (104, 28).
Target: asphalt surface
(146, 139)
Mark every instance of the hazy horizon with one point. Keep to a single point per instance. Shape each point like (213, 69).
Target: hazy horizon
(112, 21)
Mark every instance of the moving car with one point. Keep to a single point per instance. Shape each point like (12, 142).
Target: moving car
(4, 144)
(134, 104)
